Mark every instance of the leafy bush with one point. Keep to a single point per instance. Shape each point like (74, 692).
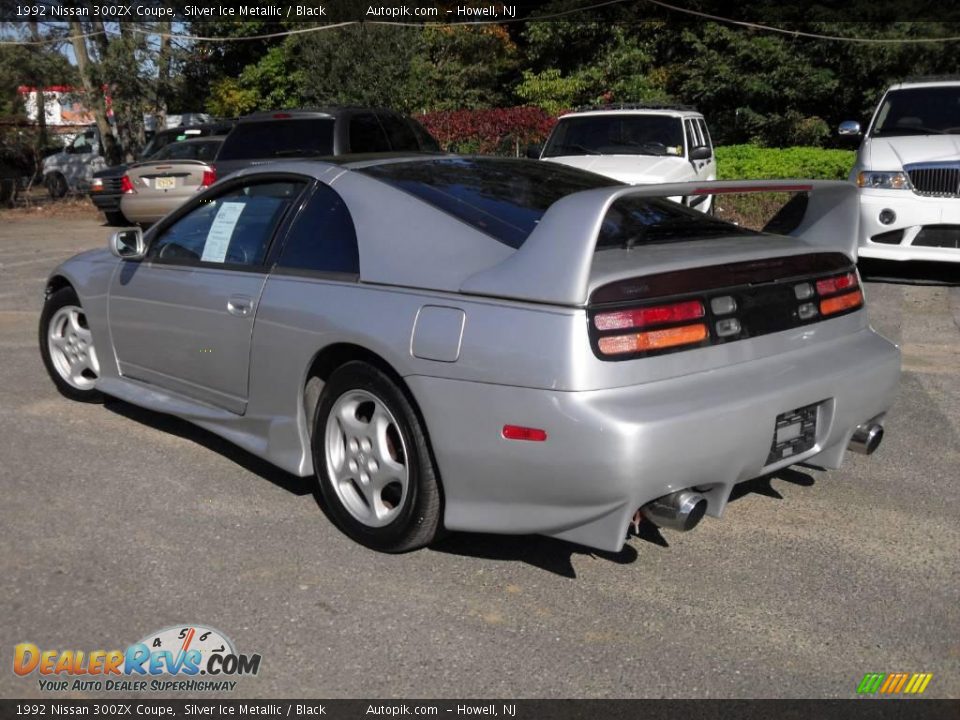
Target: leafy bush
(501, 131)
(750, 162)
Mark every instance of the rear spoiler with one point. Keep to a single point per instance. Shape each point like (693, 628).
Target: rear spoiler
(553, 265)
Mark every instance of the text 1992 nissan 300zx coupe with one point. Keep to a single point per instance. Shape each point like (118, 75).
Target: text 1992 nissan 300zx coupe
(486, 344)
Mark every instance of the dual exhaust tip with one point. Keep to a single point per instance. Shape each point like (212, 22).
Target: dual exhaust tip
(683, 510)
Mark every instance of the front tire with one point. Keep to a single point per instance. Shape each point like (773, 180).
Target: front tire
(373, 461)
(56, 185)
(66, 346)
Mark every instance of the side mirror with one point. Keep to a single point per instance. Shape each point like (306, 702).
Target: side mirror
(850, 128)
(128, 244)
(534, 151)
(701, 153)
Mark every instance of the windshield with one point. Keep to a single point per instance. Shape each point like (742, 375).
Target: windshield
(279, 138)
(919, 111)
(616, 134)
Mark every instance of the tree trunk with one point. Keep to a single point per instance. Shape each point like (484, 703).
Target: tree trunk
(38, 83)
(163, 75)
(95, 94)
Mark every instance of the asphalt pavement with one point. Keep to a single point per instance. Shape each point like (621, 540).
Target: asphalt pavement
(117, 522)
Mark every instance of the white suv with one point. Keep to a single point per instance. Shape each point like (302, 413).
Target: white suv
(636, 144)
(908, 172)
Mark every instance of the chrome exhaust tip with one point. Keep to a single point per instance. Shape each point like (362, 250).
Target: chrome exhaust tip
(866, 438)
(682, 510)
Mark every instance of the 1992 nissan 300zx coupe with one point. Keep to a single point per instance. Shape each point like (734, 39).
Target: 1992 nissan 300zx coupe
(485, 344)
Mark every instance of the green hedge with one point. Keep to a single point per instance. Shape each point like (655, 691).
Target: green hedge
(751, 162)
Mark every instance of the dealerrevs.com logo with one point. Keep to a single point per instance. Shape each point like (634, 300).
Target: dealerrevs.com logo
(188, 658)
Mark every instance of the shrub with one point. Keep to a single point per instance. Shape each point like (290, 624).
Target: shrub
(501, 131)
(750, 162)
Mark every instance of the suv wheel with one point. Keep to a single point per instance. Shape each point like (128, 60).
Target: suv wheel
(56, 185)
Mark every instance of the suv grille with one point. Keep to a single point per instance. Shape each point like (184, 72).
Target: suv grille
(939, 180)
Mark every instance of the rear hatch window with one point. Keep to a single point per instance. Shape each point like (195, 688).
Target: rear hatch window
(278, 139)
(635, 221)
(501, 197)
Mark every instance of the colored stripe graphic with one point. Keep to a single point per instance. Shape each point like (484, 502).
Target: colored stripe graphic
(894, 683)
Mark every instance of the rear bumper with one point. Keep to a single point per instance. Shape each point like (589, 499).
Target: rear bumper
(609, 452)
(140, 208)
(913, 214)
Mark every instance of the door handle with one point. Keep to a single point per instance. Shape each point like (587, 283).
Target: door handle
(239, 305)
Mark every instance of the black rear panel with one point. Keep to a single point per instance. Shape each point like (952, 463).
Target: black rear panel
(764, 292)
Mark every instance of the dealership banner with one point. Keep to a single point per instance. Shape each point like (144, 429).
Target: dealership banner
(503, 709)
(472, 11)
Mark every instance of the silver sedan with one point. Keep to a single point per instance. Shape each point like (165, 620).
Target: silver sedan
(485, 344)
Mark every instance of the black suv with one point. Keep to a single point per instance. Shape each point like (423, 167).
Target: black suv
(268, 136)
(105, 185)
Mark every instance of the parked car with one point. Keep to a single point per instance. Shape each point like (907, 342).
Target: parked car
(174, 174)
(268, 136)
(636, 144)
(485, 344)
(908, 173)
(105, 190)
(72, 169)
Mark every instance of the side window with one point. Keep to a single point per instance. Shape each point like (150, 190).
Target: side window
(366, 135)
(691, 136)
(702, 125)
(322, 238)
(401, 137)
(232, 229)
(83, 143)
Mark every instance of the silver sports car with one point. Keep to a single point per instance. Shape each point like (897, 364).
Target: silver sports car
(485, 344)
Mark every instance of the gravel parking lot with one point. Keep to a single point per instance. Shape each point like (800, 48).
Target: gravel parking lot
(118, 522)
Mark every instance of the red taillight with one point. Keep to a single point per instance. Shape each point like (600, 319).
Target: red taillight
(849, 301)
(833, 285)
(209, 177)
(642, 317)
(126, 185)
(518, 432)
(839, 293)
(282, 116)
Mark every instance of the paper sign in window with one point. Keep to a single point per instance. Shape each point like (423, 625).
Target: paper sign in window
(221, 231)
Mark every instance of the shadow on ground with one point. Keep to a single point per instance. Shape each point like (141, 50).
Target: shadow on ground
(549, 554)
(183, 429)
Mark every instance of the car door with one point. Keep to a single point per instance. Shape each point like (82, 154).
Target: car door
(182, 318)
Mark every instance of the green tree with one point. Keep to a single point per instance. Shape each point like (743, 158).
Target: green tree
(359, 65)
(274, 81)
(461, 67)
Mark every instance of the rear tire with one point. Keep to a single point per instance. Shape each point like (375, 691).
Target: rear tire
(373, 462)
(66, 346)
(115, 218)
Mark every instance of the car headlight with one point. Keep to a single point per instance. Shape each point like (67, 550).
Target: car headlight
(96, 185)
(884, 180)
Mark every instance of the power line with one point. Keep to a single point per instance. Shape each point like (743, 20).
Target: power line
(49, 40)
(800, 33)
